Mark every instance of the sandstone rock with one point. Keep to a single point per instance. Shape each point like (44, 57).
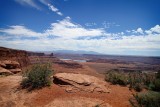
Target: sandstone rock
(4, 71)
(9, 67)
(10, 64)
(78, 102)
(17, 70)
(14, 55)
(80, 82)
(2, 64)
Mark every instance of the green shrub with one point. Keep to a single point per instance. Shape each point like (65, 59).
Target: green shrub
(147, 99)
(156, 85)
(138, 87)
(135, 80)
(151, 86)
(117, 78)
(158, 75)
(37, 77)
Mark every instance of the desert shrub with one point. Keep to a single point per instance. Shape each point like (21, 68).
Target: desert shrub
(135, 80)
(117, 78)
(147, 99)
(37, 77)
(156, 85)
(138, 87)
(158, 75)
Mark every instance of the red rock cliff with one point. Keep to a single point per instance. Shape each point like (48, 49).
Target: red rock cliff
(14, 55)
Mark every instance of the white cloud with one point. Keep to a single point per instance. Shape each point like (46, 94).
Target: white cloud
(54, 9)
(29, 3)
(68, 29)
(108, 45)
(155, 29)
(59, 13)
(91, 24)
(44, 2)
(20, 31)
(34, 4)
(64, 29)
(128, 31)
(139, 30)
(108, 24)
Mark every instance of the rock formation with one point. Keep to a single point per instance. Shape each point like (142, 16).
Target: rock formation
(8, 67)
(14, 55)
(80, 82)
(4, 71)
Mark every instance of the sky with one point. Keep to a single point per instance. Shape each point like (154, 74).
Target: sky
(115, 27)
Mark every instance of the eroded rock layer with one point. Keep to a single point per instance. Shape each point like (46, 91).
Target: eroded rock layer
(14, 55)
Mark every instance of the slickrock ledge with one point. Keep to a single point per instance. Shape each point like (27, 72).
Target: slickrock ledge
(80, 82)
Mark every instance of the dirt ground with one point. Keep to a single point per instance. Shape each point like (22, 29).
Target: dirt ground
(12, 96)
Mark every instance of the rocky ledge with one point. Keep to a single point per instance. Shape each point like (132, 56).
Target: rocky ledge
(8, 67)
(80, 82)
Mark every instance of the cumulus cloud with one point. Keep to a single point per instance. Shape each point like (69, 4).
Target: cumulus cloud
(63, 29)
(155, 29)
(68, 29)
(139, 30)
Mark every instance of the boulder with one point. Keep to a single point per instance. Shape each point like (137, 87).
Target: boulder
(80, 82)
(4, 71)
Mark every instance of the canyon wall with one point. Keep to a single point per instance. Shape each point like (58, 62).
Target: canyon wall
(14, 55)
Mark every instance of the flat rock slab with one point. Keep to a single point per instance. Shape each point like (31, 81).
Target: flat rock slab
(80, 82)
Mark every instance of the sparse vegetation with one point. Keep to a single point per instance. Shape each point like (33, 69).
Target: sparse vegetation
(117, 78)
(135, 80)
(146, 99)
(37, 77)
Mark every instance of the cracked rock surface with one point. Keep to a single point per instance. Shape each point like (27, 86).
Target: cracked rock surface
(80, 82)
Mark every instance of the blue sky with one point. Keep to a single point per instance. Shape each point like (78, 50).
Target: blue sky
(125, 27)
